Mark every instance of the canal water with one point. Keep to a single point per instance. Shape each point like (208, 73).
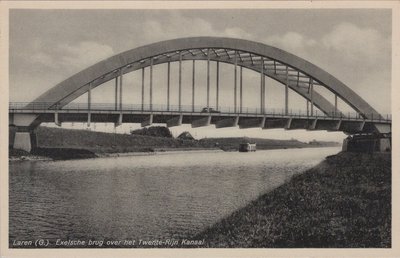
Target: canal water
(169, 195)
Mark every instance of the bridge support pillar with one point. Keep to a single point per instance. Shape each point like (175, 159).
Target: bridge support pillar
(251, 123)
(147, 121)
(23, 138)
(176, 121)
(22, 133)
(229, 122)
(329, 125)
(288, 124)
(89, 119)
(352, 126)
(383, 128)
(277, 123)
(205, 121)
(297, 123)
(119, 121)
(313, 125)
(56, 119)
(338, 125)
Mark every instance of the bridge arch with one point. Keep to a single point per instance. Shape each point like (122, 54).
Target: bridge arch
(299, 74)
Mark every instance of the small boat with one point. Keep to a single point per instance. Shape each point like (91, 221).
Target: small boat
(247, 147)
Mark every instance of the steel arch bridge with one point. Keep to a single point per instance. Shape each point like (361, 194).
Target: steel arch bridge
(291, 71)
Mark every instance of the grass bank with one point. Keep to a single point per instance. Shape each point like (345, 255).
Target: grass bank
(58, 143)
(100, 142)
(232, 143)
(345, 201)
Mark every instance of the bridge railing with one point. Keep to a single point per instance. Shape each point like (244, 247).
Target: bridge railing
(45, 106)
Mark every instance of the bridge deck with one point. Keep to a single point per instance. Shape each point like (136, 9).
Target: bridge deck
(137, 111)
(247, 119)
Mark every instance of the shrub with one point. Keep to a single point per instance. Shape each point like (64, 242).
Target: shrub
(155, 131)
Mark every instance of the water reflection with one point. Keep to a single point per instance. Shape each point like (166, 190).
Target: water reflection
(165, 196)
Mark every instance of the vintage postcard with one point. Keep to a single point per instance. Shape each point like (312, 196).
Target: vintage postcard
(194, 129)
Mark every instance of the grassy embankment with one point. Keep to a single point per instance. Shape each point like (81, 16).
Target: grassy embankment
(345, 201)
(58, 143)
(232, 144)
(100, 142)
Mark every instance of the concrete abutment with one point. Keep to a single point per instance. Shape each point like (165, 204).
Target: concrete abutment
(22, 133)
(368, 143)
(22, 138)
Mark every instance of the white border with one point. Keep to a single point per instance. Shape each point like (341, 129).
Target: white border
(237, 252)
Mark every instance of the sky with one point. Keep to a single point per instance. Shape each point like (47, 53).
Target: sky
(354, 45)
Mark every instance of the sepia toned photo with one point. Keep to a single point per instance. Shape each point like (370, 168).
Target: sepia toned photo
(170, 128)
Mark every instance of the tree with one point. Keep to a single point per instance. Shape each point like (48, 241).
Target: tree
(155, 131)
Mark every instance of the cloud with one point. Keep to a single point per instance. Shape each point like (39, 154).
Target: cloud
(236, 32)
(357, 44)
(70, 57)
(291, 41)
(179, 26)
(342, 48)
(358, 56)
(84, 54)
(345, 42)
(42, 59)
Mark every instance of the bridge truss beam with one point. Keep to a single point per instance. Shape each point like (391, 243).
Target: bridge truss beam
(291, 71)
(320, 102)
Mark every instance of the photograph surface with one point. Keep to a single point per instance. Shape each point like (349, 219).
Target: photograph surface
(200, 128)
